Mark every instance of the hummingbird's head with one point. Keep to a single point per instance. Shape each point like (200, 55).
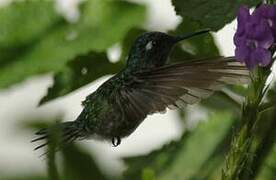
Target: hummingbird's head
(152, 49)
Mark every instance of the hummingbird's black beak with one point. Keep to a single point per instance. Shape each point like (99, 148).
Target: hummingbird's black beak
(186, 36)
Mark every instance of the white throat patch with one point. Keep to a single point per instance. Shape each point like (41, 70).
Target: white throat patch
(149, 46)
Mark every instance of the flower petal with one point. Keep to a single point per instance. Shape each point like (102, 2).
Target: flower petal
(261, 12)
(250, 63)
(239, 40)
(268, 13)
(242, 53)
(255, 35)
(261, 32)
(266, 39)
(271, 13)
(273, 29)
(256, 28)
(242, 18)
(261, 56)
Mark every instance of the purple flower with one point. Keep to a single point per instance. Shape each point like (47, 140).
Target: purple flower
(268, 12)
(253, 38)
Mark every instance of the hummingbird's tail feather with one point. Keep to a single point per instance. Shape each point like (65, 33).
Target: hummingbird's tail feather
(63, 133)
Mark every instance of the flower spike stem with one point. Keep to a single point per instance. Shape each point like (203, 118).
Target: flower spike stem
(240, 157)
(255, 41)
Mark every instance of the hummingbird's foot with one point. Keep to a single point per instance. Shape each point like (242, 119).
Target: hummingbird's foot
(116, 141)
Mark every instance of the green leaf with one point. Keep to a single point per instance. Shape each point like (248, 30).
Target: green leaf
(25, 177)
(222, 101)
(54, 139)
(102, 24)
(7, 56)
(269, 167)
(214, 14)
(263, 148)
(182, 159)
(83, 69)
(79, 165)
(155, 162)
(79, 72)
(201, 46)
(24, 22)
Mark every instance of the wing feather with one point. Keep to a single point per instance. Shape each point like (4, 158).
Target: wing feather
(170, 86)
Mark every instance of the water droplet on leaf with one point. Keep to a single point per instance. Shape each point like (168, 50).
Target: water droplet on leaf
(84, 71)
(71, 36)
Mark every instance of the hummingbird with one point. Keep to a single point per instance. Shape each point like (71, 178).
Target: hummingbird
(147, 84)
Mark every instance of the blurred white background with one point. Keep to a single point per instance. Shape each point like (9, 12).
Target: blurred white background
(15, 147)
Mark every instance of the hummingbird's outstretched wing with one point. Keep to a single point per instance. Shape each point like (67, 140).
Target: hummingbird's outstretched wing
(175, 85)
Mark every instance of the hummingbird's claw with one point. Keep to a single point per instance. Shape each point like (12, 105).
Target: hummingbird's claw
(116, 141)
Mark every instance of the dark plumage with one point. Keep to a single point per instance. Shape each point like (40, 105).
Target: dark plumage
(147, 85)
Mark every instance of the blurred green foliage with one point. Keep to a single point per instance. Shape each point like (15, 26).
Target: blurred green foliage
(77, 164)
(214, 14)
(102, 24)
(26, 177)
(87, 169)
(35, 39)
(197, 47)
(23, 23)
(80, 72)
(183, 159)
(269, 169)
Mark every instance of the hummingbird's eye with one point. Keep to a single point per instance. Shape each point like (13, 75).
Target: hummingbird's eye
(149, 45)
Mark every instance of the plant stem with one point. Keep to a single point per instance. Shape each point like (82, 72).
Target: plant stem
(240, 157)
(267, 106)
(265, 139)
